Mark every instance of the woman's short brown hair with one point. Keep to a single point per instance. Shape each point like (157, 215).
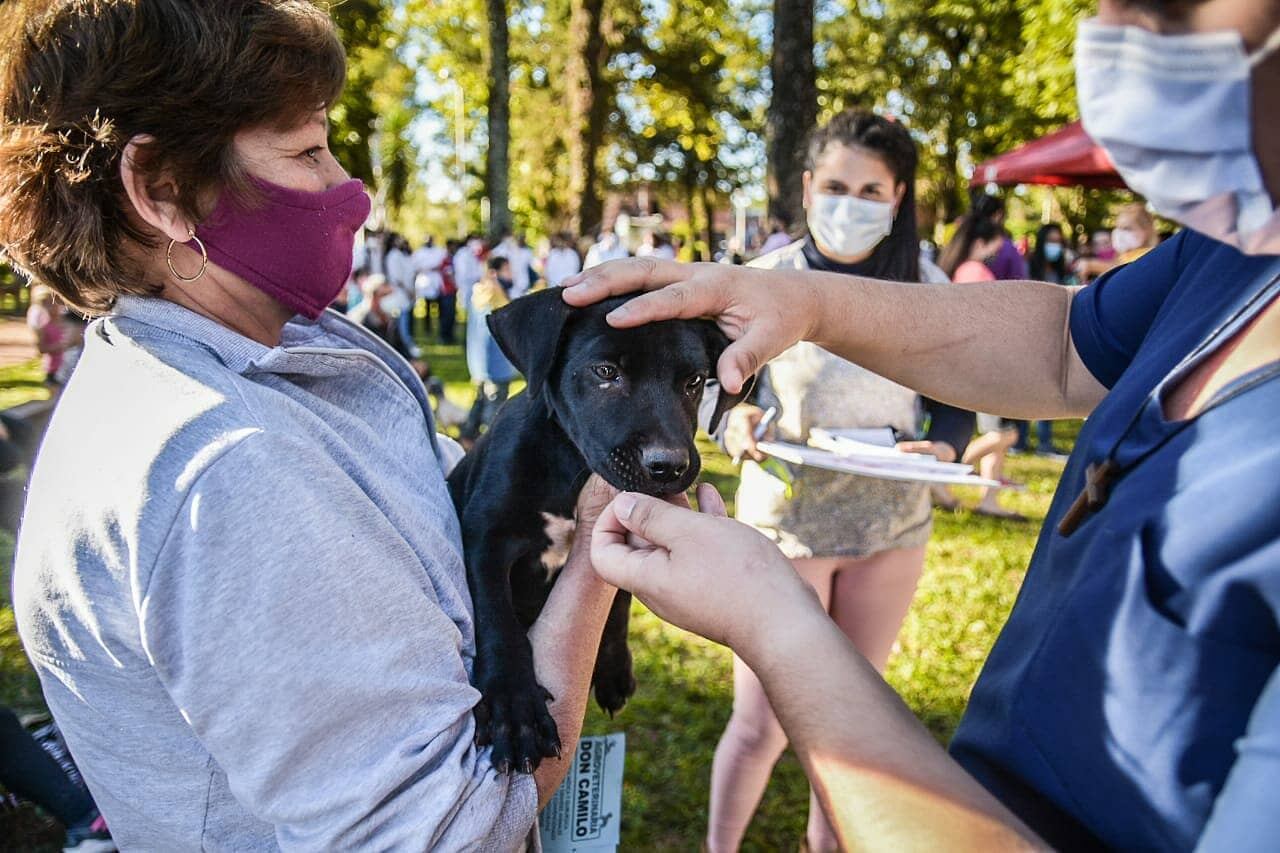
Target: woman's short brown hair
(80, 78)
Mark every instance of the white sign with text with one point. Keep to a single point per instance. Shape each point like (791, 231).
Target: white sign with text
(584, 815)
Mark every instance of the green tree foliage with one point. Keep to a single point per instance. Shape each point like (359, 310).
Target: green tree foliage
(691, 88)
(971, 79)
(451, 41)
(370, 122)
(610, 95)
(936, 64)
(674, 100)
(362, 25)
(542, 117)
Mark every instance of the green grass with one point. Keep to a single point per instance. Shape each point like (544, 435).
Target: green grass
(973, 572)
(22, 382)
(19, 688)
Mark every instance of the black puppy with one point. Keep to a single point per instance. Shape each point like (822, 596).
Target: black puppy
(620, 402)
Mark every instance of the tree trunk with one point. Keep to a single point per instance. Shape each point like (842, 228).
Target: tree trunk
(793, 107)
(690, 191)
(950, 180)
(588, 111)
(709, 211)
(497, 158)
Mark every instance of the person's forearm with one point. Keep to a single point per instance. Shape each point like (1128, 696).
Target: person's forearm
(565, 640)
(883, 780)
(1003, 347)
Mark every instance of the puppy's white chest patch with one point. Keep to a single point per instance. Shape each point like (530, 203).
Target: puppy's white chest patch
(560, 531)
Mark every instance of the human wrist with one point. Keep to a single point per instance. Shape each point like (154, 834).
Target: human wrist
(578, 569)
(786, 616)
(824, 298)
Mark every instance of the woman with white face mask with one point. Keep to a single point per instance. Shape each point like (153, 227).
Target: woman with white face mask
(1134, 236)
(859, 542)
(1132, 700)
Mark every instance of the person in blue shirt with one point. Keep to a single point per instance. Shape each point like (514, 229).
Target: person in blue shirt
(1132, 700)
(490, 370)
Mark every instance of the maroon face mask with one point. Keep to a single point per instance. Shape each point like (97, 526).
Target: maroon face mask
(295, 246)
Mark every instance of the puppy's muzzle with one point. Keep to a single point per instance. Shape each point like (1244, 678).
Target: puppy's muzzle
(664, 464)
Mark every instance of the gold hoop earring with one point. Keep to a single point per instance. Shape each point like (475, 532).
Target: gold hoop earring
(204, 258)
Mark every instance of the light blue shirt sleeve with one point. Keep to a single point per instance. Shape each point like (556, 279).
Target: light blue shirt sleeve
(302, 640)
(1246, 815)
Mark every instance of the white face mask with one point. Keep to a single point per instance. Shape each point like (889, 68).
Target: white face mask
(1125, 240)
(1173, 113)
(848, 226)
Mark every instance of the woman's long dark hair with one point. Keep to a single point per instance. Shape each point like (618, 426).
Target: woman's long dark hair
(972, 228)
(1039, 265)
(897, 257)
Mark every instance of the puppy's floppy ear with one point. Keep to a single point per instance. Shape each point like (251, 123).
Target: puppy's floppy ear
(717, 343)
(528, 331)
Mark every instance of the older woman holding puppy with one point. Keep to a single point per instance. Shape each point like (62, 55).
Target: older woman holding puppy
(240, 575)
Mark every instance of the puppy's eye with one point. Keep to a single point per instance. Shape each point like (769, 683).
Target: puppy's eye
(694, 385)
(605, 372)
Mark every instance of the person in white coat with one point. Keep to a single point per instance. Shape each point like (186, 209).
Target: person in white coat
(607, 248)
(520, 257)
(428, 279)
(468, 267)
(400, 275)
(562, 260)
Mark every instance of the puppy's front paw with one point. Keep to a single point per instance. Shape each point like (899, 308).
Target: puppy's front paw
(613, 680)
(514, 720)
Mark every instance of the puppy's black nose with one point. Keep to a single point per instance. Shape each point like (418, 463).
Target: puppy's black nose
(665, 464)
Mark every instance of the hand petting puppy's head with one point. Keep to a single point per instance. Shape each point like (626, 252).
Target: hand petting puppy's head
(627, 398)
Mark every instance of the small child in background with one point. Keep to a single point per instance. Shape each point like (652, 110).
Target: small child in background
(59, 338)
(490, 370)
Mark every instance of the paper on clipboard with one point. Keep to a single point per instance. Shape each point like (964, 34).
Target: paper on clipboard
(841, 443)
(881, 438)
(881, 466)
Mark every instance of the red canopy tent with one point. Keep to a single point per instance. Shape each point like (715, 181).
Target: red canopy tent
(1065, 158)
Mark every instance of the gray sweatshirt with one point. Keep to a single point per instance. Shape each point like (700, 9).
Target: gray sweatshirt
(240, 579)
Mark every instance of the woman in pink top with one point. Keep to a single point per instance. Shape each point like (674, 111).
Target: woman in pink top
(54, 335)
(976, 241)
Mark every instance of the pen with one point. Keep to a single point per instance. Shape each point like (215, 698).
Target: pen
(761, 428)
